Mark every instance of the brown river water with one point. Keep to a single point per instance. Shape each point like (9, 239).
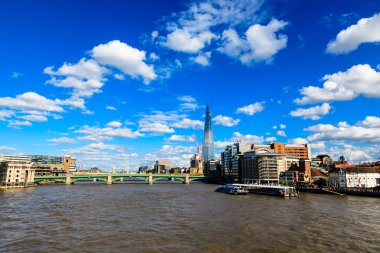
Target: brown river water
(182, 218)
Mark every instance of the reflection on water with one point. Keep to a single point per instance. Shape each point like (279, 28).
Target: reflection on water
(182, 218)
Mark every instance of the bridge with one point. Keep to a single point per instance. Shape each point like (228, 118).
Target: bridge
(111, 178)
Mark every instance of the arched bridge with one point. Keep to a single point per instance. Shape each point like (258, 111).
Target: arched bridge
(110, 178)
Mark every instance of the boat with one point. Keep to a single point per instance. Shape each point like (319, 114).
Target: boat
(270, 189)
(232, 189)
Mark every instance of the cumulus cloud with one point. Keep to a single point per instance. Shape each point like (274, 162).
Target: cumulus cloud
(261, 42)
(313, 113)
(358, 80)
(183, 41)
(370, 121)
(251, 109)
(30, 101)
(194, 30)
(281, 133)
(366, 30)
(127, 59)
(203, 59)
(179, 155)
(188, 123)
(7, 148)
(344, 132)
(4, 114)
(114, 124)
(154, 127)
(107, 133)
(225, 121)
(189, 103)
(62, 140)
(184, 138)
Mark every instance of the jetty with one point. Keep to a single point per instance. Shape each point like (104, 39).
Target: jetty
(270, 189)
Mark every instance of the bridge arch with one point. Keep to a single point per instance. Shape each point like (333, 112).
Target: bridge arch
(168, 178)
(88, 178)
(129, 177)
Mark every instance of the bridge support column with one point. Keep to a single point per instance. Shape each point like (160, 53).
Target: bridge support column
(150, 178)
(68, 180)
(109, 179)
(187, 179)
(94, 180)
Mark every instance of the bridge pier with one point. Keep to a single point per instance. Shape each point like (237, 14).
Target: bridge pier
(187, 179)
(109, 178)
(150, 178)
(68, 180)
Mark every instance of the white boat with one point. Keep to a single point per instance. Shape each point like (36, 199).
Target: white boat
(232, 189)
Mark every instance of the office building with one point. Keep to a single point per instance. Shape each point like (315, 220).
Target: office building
(230, 159)
(208, 151)
(162, 166)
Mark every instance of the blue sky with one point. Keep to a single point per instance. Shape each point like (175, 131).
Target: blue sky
(117, 82)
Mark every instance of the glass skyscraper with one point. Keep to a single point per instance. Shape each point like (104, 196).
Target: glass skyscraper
(208, 151)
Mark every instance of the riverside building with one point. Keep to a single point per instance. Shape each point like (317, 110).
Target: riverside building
(16, 174)
(357, 177)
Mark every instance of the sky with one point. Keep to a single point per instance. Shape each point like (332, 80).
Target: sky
(125, 83)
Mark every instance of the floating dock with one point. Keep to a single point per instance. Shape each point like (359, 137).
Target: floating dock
(267, 189)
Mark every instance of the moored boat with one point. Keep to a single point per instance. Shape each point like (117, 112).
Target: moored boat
(232, 189)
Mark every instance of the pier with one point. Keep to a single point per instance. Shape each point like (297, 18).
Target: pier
(267, 189)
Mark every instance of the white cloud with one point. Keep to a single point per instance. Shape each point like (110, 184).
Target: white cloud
(281, 133)
(4, 114)
(370, 121)
(154, 127)
(203, 59)
(17, 123)
(30, 101)
(189, 103)
(37, 118)
(282, 126)
(313, 113)
(107, 133)
(189, 106)
(188, 123)
(7, 148)
(345, 132)
(250, 138)
(297, 141)
(225, 121)
(181, 138)
(111, 108)
(114, 124)
(183, 41)
(129, 60)
(119, 76)
(85, 77)
(62, 140)
(366, 30)
(271, 139)
(251, 109)
(358, 80)
(179, 155)
(261, 42)
(186, 99)
(154, 57)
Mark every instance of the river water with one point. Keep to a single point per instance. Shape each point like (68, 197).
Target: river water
(182, 218)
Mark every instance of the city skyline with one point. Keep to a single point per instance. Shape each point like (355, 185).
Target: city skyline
(116, 84)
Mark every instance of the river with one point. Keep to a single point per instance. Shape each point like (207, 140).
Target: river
(182, 218)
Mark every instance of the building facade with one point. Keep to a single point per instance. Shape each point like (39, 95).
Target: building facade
(162, 166)
(230, 159)
(208, 150)
(358, 177)
(301, 151)
(16, 174)
(212, 169)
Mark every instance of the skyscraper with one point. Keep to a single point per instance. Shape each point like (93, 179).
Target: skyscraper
(208, 138)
